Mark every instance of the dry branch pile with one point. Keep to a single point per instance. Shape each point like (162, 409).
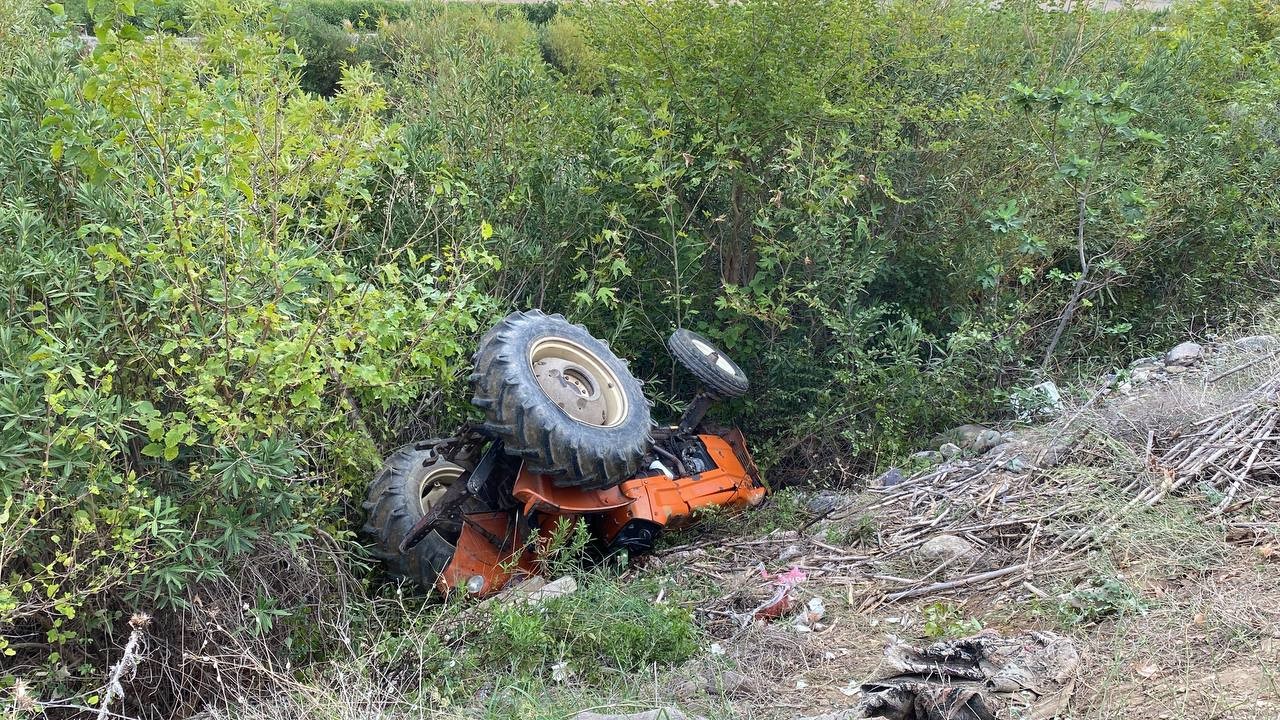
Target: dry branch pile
(1016, 520)
(1010, 525)
(1230, 452)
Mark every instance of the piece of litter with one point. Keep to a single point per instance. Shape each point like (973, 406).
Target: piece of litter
(800, 684)
(717, 649)
(560, 672)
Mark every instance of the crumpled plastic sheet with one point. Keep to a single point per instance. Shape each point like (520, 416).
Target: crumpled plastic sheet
(974, 678)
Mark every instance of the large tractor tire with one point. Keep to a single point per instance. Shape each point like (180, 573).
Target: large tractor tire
(709, 364)
(409, 485)
(561, 400)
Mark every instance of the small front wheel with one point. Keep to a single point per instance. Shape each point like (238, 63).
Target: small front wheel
(708, 363)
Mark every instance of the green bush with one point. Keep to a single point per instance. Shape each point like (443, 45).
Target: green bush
(603, 625)
(328, 50)
(197, 324)
(358, 14)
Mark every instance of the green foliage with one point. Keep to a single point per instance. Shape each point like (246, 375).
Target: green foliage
(328, 49)
(1107, 597)
(603, 626)
(197, 318)
(944, 620)
(357, 14)
(23, 28)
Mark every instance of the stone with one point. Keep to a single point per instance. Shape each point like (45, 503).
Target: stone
(1256, 343)
(686, 690)
(931, 457)
(1176, 369)
(986, 440)
(888, 478)
(1017, 464)
(1142, 374)
(789, 553)
(824, 502)
(949, 451)
(941, 548)
(963, 436)
(1185, 353)
(554, 589)
(850, 714)
(729, 682)
(1055, 455)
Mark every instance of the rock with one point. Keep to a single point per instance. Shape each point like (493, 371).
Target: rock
(1017, 464)
(949, 451)
(1142, 374)
(554, 589)
(986, 440)
(941, 548)
(1185, 353)
(686, 690)
(1055, 455)
(888, 478)
(824, 502)
(729, 682)
(1256, 343)
(932, 457)
(964, 436)
(789, 553)
(1175, 369)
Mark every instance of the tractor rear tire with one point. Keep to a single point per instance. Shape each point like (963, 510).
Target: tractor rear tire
(397, 500)
(561, 400)
(708, 363)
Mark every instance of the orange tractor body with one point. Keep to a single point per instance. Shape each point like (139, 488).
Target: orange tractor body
(495, 547)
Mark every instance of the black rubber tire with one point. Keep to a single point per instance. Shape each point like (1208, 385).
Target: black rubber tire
(532, 426)
(394, 506)
(683, 345)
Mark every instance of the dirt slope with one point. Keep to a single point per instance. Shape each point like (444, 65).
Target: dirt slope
(1105, 524)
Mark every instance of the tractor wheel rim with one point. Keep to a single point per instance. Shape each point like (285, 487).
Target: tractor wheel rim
(715, 356)
(435, 483)
(580, 382)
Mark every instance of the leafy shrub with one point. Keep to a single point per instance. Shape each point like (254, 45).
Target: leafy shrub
(540, 13)
(1105, 598)
(327, 50)
(566, 49)
(197, 324)
(602, 625)
(358, 14)
(944, 620)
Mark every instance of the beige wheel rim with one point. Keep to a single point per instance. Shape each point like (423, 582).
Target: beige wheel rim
(715, 356)
(578, 381)
(436, 482)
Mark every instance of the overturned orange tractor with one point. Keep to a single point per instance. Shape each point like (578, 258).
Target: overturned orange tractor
(566, 434)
